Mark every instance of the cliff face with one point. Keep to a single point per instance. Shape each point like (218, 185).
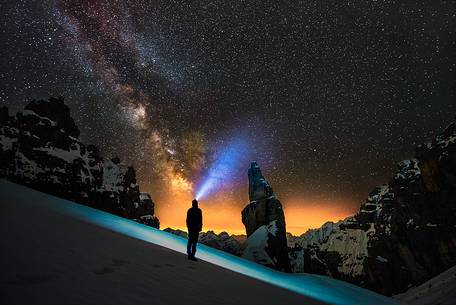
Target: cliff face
(145, 210)
(39, 147)
(264, 222)
(403, 234)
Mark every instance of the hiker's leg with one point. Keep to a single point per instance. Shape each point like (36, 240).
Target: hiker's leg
(193, 238)
(189, 245)
(194, 247)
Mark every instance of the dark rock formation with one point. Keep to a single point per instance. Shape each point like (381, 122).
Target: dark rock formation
(264, 222)
(145, 211)
(39, 147)
(405, 232)
(177, 232)
(222, 241)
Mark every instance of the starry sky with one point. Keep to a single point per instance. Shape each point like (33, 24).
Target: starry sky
(325, 95)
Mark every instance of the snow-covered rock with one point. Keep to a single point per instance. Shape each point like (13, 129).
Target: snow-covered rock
(264, 222)
(257, 243)
(296, 255)
(403, 234)
(39, 147)
(222, 241)
(145, 211)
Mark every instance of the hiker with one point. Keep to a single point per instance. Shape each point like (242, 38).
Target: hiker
(194, 225)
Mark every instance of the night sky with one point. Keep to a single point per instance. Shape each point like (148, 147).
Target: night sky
(325, 95)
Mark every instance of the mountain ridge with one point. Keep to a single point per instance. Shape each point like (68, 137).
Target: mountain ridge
(403, 234)
(40, 148)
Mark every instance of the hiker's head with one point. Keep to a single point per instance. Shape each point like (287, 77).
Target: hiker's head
(194, 203)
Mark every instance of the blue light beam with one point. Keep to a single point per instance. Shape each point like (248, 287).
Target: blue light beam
(223, 168)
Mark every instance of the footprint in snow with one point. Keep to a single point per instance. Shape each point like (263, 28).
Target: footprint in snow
(119, 262)
(103, 270)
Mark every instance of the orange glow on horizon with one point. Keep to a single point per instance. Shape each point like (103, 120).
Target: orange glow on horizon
(220, 213)
(223, 213)
(173, 192)
(300, 218)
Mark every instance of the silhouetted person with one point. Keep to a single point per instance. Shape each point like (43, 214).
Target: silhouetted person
(194, 225)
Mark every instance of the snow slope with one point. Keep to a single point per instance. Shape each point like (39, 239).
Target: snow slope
(58, 252)
(438, 290)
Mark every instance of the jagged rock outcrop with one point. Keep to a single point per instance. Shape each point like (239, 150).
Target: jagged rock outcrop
(177, 232)
(264, 222)
(222, 241)
(403, 234)
(39, 147)
(145, 211)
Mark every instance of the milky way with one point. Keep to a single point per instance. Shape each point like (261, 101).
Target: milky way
(109, 39)
(329, 95)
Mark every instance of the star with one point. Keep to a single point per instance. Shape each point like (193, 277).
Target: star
(328, 96)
